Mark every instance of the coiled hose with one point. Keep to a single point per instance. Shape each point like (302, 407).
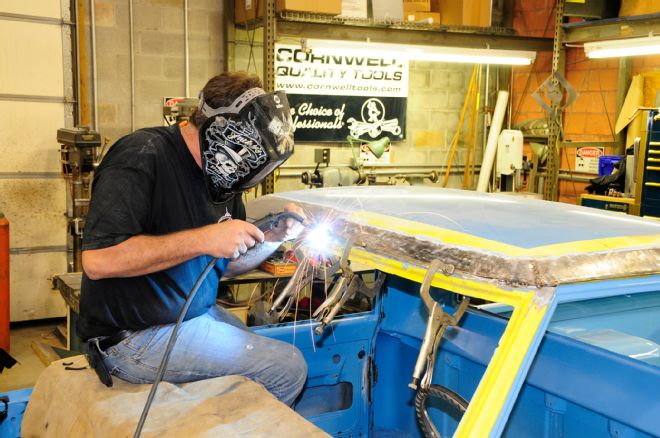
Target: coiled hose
(458, 403)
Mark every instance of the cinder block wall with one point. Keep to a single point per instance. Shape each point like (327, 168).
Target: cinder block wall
(436, 95)
(159, 57)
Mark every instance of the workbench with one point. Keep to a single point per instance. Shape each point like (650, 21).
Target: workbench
(69, 286)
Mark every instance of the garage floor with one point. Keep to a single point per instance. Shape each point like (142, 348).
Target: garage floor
(25, 373)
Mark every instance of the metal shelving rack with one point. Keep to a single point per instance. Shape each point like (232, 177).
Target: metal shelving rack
(315, 26)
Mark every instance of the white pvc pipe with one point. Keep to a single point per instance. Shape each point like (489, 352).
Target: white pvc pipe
(491, 145)
(186, 49)
(95, 94)
(132, 48)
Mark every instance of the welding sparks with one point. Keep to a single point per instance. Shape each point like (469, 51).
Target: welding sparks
(318, 238)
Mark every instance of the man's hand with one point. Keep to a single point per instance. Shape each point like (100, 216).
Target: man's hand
(230, 239)
(287, 229)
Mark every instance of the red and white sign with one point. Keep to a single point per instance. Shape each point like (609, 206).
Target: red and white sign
(586, 159)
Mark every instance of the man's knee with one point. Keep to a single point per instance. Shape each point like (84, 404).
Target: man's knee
(295, 367)
(293, 375)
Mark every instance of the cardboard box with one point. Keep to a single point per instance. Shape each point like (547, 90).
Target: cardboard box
(638, 7)
(463, 12)
(279, 268)
(451, 11)
(431, 18)
(416, 6)
(354, 8)
(387, 10)
(329, 7)
(477, 13)
(248, 10)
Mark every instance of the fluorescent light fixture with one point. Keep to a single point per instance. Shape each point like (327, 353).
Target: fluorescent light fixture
(618, 48)
(426, 53)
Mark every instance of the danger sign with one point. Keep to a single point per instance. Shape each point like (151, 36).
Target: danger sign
(586, 159)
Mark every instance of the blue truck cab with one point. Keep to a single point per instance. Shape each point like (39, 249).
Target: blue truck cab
(535, 319)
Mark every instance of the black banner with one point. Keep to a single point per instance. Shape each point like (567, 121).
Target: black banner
(320, 118)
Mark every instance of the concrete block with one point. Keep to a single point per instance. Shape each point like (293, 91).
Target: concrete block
(431, 100)
(112, 41)
(439, 79)
(200, 46)
(409, 156)
(452, 121)
(148, 115)
(121, 15)
(438, 119)
(107, 113)
(153, 91)
(113, 68)
(117, 91)
(216, 24)
(163, 3)
(456, 99)
(456, 80)
(148, 66)
(151, 43)
(428, 138)
(173, 68)
(216, 66)
(422, 65)
(419, 79)
(160, 43)
(198, 22)
(214, 5)
(147, 17)
(198, 70)
(173, 19)
(418, 119)
(105, 14)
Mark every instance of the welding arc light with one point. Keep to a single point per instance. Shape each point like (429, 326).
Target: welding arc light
(319, 237)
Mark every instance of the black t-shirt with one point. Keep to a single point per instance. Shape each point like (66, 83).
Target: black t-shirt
(148, 183)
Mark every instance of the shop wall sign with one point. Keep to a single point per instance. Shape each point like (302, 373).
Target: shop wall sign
(586, 159)
(352, 92)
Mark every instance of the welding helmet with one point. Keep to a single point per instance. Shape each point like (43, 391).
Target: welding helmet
(244, 142)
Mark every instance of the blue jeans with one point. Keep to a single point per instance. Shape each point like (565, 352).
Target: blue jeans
(211, 345)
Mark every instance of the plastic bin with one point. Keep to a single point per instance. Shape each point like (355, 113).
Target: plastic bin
(606, 164)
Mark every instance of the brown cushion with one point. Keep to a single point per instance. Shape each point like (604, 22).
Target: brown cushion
(68, 403)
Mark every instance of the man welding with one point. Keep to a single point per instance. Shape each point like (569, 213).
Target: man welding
(166, 201)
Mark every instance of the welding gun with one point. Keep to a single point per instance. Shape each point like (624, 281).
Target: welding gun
(271, 220)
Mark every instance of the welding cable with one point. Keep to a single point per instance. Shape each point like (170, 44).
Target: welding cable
(170, 344)
(458, 403)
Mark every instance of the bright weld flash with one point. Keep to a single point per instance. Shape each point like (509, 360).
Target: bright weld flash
(318, 238)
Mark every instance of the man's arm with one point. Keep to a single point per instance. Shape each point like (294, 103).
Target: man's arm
(144, 254)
